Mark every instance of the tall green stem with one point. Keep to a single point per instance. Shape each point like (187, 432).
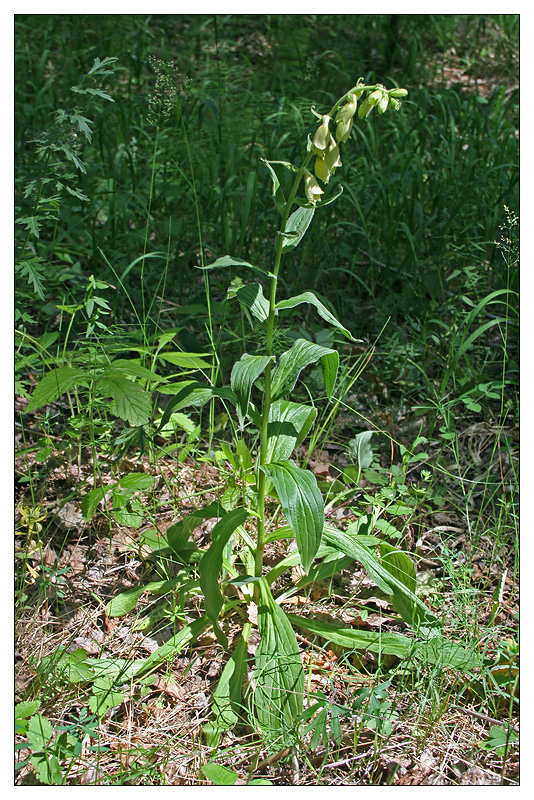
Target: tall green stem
(258, 561)
(261, 478)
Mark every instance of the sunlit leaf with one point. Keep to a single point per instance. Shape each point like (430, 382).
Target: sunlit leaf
(278, 673)
(409, 606)
(289, 424)
(211, 563)
(55, 383)
(293, 361)
(302, 503)
(310, 297)
(244, 373)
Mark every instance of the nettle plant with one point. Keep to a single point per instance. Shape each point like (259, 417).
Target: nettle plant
(231, 575)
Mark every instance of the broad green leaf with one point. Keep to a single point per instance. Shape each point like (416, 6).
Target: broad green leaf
(376, 642)
(227, 698)
(244, 373)
(296, 227)
(104, 697)
(302, 503)
(210, 566)
(293, 361)
(47, 768)
(230, 261)
(186, 360)
(55, 383)
(360, 449)
(251, 296)
(310, 297)
(130, 401)
(219, 775)
(168, 651)
(409, 606)
(399, 565)
(453, 655)
(194, 394)
(24, 710)
(126, 601)
(39, 732)
(91, 500)
(288, 426)
(137, 481)
(278, 673)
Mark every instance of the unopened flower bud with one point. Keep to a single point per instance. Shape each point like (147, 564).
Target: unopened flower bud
(344, 119)
(364, 109)
(322, 137)
(383, 104)
(311, 187)
(398, 92)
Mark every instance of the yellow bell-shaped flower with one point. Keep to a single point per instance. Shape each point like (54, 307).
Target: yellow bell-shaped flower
(311, 187)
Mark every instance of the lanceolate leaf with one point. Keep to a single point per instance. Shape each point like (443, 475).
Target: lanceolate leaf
(227, 698)
(394, 644)
(302, 503)
(251, 296)
(278, 674)
(409, 606)
(288, 425)
(244, 373)
(399, 565)
(55, 383)
(296, 227)
(300, 355)
(230, 261)
(130, 401)
(435, 650)
(210, 567)
(310, 297)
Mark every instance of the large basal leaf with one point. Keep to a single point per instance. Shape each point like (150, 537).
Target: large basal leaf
(210, 566)
(435, 650)
(288, 425)
(245, 371)
(227, 698)
(398, 564)
(296, 227)
(409, 606)
(278, 674)
(310, 297)
(55, 383)
(394, 644)
(252, 298)
(302, 503)
(130, 401)
(293, 361)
